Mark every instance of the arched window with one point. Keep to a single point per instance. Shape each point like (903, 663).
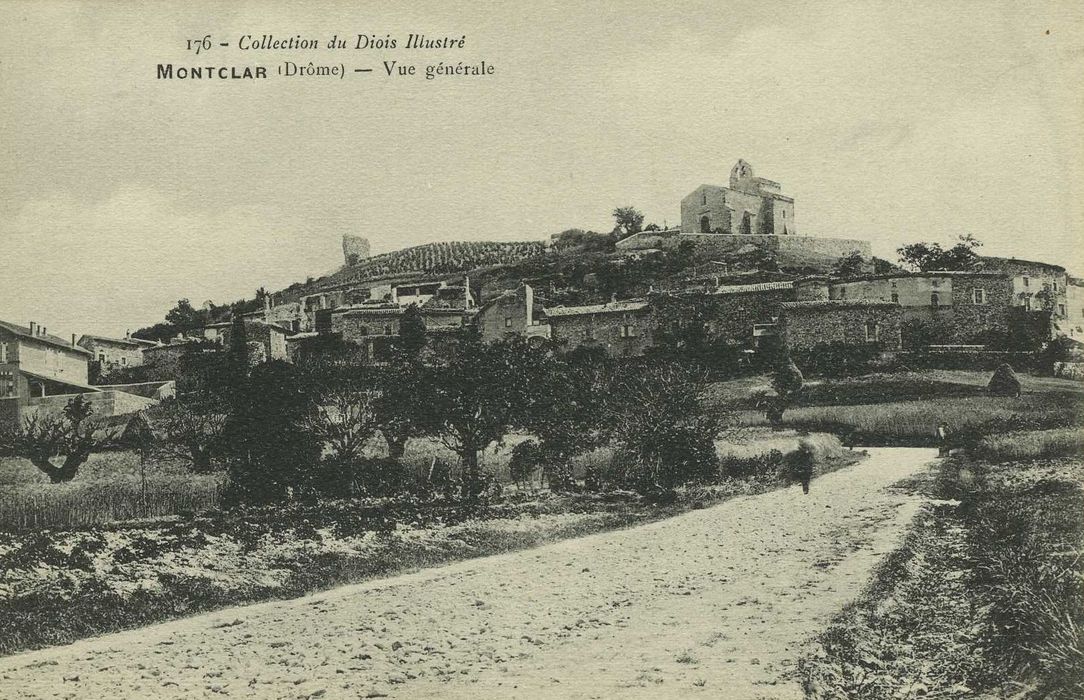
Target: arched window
(935, 299)
(704, 198)
(705, 224)
(895, 298)
(746, 223)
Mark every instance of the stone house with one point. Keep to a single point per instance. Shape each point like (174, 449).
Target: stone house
(1031, 282)
(1074, 301)
(266, 341)
(737, 314)
(516, 312)
(165, 359)
(941, 307)
(115, 353)
(803, 325)
(750, 205)
(621, 328)
(40, 373)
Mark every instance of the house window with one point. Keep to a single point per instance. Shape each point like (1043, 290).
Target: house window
(387, 330)
(124, 360)
(936, 282)
(895, 298)
(1061, 309)
(704, 198)
(507, 321)
(628, 330)
(101, 357)
(3, 352)
(978, 296)
(363, 330)
(1055, 285)
(1027, 303)
(935, 300)
(588, 333)
(1027, 282)
(873, 331)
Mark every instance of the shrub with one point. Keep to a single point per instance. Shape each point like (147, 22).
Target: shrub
(838, 359)
(1004, 382)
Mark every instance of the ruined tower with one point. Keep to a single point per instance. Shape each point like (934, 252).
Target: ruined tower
(355, 249)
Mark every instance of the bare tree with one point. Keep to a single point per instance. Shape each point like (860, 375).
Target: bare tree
(185, 433)
(71, 434)
(344, 419)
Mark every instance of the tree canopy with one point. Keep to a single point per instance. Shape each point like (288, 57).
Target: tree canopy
(925, 257)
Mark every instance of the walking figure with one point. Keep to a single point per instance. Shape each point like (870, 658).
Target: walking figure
(802, 464)
(943, 446)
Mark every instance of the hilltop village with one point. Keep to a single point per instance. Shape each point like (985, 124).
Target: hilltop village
(739, 271)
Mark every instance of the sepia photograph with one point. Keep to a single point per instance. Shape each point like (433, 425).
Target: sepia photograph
(542, 350)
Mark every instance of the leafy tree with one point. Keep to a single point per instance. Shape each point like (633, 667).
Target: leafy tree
(931, 256)
(400, 408)
(564, 407)
(268, 453)
(43, 437)
(883, 267)
(411, 331)
(628, 220)
(657, 422)
(471, 396)
(184, 317)
(850, 265)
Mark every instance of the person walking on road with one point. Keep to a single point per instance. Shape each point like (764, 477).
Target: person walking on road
(943, 446)
(802, 461)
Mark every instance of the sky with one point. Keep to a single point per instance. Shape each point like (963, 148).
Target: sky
(889, 122)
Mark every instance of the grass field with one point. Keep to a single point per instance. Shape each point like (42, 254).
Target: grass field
(984, 599)
(914, 423)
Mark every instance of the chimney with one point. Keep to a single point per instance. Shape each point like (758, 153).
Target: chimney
(32, 328)
(43, 330)
(128, 334)
(266, 305)
(73, 340)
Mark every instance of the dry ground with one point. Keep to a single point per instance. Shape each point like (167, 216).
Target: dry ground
(715, 603)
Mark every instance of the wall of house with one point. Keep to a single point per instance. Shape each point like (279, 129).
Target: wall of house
(604, 330)
(805, 325)
(1074, 300)
(167, 358)
(47, 359)
(355, 326)
(957, 318)
(507, 314)
(727, 316)
(103, 403)
(113, 355)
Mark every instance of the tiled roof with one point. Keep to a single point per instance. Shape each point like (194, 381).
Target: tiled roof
(838, 304)
(123, 341)
(24, 332)
(759, 287)
(930, 273)
(612, 307)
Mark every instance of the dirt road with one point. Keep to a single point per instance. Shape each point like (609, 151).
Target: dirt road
(714, 603)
